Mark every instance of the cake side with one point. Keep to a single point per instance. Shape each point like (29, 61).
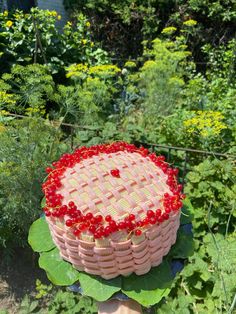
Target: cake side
(113, 209)
(117, 257)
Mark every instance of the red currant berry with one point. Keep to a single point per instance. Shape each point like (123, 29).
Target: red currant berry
(69, 222)
(93, 221)
(175, 171)
(152, 220)
(158, 212)
(55, 213)
(160, 219)
(145, 221)
(89, 215)
(138, 232)
(180, 204)
(76, 232)
(92, 229)
(99, 218)
(71, 204)
(108, 230)
(64, 209)
(108, 218)
(47, 213)
(131, 217)
(139, 224)
(86, 224)
(165, 216)
(168, 210)
(121, 225)
(48, 169)
(82, 227)
(150, 213)
(97, 235)
(115, 173)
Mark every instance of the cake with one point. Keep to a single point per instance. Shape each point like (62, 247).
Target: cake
(113, 209)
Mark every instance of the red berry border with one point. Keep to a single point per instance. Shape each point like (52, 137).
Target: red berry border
(97, 225)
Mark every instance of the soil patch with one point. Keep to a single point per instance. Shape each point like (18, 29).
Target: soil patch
(18, 275)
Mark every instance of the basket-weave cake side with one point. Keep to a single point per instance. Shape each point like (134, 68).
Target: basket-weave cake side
(117, 258)
(113, 209)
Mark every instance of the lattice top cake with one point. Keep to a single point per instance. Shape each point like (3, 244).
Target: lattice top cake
(111, 193)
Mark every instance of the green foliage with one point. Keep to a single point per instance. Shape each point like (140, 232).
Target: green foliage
(207, 282)
(42, 289)
(27, 306)
(34, 37)
(93, 92)
(161, 79)
(27, 147)
(217, 10)
(127, 12)
(131, 22)
(211, 188)
(58, 271)
(31, 87)
(57, 302)
(42, 241)
(99, 288)
(69, 303)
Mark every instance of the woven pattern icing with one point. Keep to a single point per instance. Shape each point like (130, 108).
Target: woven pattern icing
(90, 185)
(117, 258)
(113, 209)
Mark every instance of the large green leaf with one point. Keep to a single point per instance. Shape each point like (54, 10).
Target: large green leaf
(39, 236)
(150, 288)
(184, 245)
(187, 212)
(99, 288)
(59, 272)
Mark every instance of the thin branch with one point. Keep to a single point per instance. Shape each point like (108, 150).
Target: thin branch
(38, 39)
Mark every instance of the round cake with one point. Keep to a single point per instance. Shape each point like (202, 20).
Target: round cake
(113, 209)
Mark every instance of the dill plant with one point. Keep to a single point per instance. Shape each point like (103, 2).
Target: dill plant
(27, 146)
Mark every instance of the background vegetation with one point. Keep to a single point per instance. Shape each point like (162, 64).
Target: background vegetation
(171, 81)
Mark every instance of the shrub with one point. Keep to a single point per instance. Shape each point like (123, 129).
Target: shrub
(27, 147)
(27, 89)
(34, 37)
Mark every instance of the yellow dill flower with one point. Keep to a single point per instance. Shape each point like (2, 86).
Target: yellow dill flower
(9, 24)
(59, 17)
(104, 70)
(76, 70)
(190, 23)
(130, 64)
(31, 111)
(92, 44)
(148, 64)
(84, 41)
(176, 81)
(88, 24)
(205, 123)
(2, 128)
(17, 16)
(169, 30)
(6, 98)
(53, 13)
(69, 23)
(4, 112)
(5, 13)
